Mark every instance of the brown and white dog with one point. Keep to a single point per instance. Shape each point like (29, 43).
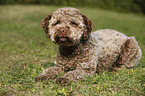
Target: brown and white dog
(82, 51)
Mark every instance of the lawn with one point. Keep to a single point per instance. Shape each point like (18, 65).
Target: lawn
(25, 52)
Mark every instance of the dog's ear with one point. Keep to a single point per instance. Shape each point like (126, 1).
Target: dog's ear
(45, 23)
(88, 27)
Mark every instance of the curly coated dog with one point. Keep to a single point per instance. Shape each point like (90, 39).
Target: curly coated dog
(84, 52)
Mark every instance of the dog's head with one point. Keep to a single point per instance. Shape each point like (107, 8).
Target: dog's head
(67, 26)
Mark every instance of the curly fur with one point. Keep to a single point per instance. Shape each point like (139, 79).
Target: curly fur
(82, 52)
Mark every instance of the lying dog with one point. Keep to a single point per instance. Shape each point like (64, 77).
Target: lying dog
(84, 52)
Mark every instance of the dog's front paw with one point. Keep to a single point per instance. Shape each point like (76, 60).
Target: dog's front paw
(43, 77)
(63, 81)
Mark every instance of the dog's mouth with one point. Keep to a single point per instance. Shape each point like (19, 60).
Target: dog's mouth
(62, 40)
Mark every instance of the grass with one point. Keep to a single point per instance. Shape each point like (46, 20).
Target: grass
(25, 53)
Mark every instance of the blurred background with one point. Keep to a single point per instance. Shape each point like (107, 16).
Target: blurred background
(131, 6)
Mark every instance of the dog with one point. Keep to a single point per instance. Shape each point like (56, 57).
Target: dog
(83, 52)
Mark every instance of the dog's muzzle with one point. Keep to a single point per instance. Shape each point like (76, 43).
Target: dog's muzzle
(61, 36)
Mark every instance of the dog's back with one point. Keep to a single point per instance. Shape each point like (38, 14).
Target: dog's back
(117, 50)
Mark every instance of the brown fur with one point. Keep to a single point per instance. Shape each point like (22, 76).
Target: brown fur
(88, 27)
(45, 23)
(82, 52)
(128, 54)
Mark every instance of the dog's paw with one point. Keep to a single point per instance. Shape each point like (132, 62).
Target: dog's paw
(63, 81)
(42, 78)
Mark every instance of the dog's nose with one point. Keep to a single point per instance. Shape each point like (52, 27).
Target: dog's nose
(62, 31)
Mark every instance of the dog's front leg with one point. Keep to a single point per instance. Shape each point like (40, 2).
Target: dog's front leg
(71, 76)
(49, 73)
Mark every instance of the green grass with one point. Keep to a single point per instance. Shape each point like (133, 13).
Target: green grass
(25, 53)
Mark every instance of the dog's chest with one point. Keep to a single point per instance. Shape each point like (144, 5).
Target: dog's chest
(84, 57)
(71, 61)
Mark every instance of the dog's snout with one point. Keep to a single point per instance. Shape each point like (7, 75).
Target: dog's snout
(62, 32)
(61, 35)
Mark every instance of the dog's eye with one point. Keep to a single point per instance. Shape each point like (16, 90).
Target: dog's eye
(58, 22)
(74, 24)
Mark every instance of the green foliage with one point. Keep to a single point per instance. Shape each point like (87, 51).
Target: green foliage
(136, 6)
(25, 53)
